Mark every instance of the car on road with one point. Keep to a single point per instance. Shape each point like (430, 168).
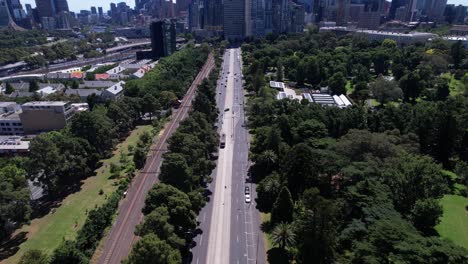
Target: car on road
(247, 198)
(247, 190)
(226, 110)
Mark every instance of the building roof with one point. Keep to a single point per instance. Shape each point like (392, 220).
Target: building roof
(6, 104)
(46, 90)
(307, 97)
(45, 103)
(20, 94)
(97, 84)
(116, 88)
(76, 75)
(115, 70)
(12, 143)
(277, 85)
(10, 116)
(82, 92)
(101, 76)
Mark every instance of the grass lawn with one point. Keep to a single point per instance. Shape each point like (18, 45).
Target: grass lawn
(349, 88)
(454, 222)
(47, 232)
(266, 218)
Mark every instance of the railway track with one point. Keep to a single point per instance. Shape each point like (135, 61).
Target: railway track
(121, 237)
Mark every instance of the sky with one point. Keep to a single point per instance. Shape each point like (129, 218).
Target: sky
(77, 5)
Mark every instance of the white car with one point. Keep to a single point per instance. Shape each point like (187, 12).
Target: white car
(247, 198)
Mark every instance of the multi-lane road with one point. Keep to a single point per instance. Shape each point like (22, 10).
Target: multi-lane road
(121, 236)
(230, 226)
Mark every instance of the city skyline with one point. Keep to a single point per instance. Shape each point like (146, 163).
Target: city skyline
(77, 5)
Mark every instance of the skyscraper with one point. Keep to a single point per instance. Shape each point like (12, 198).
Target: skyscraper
(394, 6)
(342, 12)
(163, 39)
(258, 18)
(45, 8)
(100, 12)
(5, 18)
(93, 10)
(61, 6)
(234, 20)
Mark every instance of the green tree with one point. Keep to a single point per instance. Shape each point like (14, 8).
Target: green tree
(458, 53)
(385, 91)
(14, 198)
(139, 157)
(176, 172)
(157, 222)
(267, 192)
(33, 86)
(34, 256)
(150, 105)
(283, 207)
(283, 236)
(442, 89)
(151, 249)
(337, 83)
(279, 71)
(68, 253)
(412, 86)
(425, 214)
(9, 88)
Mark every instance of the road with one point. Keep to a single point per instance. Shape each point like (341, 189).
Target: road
(230, 226)
(119, 241)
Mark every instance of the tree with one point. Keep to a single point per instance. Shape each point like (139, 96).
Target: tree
(139, 157)
(176, 172)
(157, 222)
(33, 86)
(442, 88)
(411, 85)
(150, 105)
(76, 84)
(458, 53)
(151, 249)
(166, 99)
(385, 90)
(299, 168)
(279, 71)
(283, 236)
(68, 253)
(425, 214)
(14, 198)
(337, 83)
(34, 256)
(283, 207)
(9, 88)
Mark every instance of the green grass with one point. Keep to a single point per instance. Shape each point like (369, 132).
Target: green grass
(266, 218)
(454, 222)
(349, 88)
(47, 232)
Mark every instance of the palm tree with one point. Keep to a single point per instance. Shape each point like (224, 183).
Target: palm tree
(283, 236)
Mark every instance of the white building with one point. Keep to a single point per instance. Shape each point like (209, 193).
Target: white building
(114, 92)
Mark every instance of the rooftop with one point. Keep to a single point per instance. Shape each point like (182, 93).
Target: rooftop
(45, 103)
(116, 88)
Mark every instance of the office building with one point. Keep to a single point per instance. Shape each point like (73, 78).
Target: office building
(163, 39)
(61, 6)
(460, 14)
(45, 8)
(258, 27)
(342, 12)
(281, 16)
(37, 117)
(394, 6)
(297, 18)
(93, 10)
(234, 20)
(5, 17)
(100, 12)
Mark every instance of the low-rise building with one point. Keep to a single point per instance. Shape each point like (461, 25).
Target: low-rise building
(13, 145)
(44, 116)
(277, 85)
(10, 123)
(96, 84)
(83, 93)
(114, 92)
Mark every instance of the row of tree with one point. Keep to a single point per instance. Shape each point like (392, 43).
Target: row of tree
(171, 207)
(351, 185)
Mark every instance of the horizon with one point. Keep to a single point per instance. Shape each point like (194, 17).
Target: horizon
(77, 5)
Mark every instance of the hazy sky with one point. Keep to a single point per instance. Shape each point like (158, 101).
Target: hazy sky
(76, 5)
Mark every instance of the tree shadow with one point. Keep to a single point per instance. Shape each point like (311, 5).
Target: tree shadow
(10, 247)
(277, 256)
(267, 226)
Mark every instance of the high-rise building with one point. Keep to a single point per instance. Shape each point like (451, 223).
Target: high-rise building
(29, 9)
(234, 20)
(163, 39)
(460, 14)
(212, 14)
(61, 6)
(100, 12)
(45, 8)
(342, 12)
(281, 15)
(5, 17)
(93, 10)
(297, 18)
(394, 6)
(258, 27)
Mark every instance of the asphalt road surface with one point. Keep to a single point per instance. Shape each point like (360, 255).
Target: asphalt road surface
(230, 226)
(119, 241)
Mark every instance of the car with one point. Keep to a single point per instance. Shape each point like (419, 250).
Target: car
(247, 198)
(226, 110)
(247, 190)
(125, 194)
